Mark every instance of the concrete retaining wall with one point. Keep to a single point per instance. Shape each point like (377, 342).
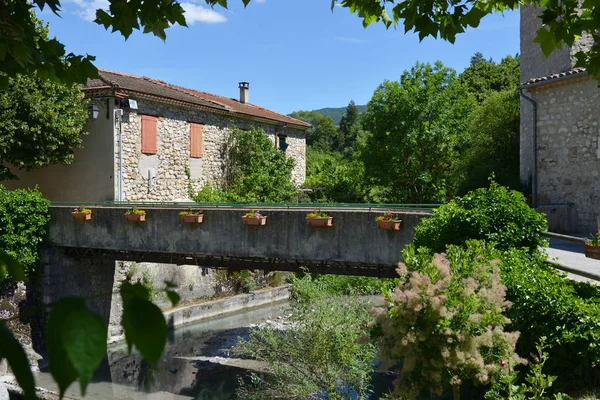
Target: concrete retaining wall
(214, 308)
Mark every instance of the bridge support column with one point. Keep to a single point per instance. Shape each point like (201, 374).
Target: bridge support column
(83, 277)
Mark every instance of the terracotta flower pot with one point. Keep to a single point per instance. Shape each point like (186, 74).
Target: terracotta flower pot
(327, 221)
(192, 219)
(592, 251)
(254, 220)
(81, 216)
(389, 225)
(136, 217)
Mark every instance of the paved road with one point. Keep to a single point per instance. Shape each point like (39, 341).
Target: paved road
(571, 258)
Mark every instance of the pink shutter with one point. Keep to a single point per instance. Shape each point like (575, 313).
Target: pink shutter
(196, 141)
(149, 143)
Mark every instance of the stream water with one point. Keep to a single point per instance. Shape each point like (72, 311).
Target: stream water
(195, 363)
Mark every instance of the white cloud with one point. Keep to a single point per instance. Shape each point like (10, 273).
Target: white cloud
(194, 13)
(261, 1)
(87, 8)
(351, 40)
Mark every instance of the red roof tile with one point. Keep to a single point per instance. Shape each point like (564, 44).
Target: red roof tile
(166, 90)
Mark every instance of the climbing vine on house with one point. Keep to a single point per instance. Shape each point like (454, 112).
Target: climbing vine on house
(255, 171)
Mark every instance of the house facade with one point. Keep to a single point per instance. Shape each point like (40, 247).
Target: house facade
(560, 126)
(150, 141)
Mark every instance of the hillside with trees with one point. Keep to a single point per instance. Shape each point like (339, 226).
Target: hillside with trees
(336, 113)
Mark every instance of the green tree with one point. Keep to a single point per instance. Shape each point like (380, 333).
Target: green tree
(40, 123)
(255, 171)
(483, 77)
(334, 178)
(22, 51)
(493, 143)
(477, 58)
(323, 131)
(417, 128)
(348, 129)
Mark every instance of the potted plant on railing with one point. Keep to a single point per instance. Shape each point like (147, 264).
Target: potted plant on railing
(592, 247)
(134, 214)
(254, 217)
(82, 214)
(192, 216)
(318, 218)
(388, 222)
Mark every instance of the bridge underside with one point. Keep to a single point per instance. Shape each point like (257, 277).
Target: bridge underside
(235, 263)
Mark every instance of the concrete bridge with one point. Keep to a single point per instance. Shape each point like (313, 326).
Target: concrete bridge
(352, 246)
(78, 258)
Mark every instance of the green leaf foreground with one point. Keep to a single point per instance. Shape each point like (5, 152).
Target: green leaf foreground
(76, 341)
(10, 267)
(11, 349)
(144, 323)
(25, 51)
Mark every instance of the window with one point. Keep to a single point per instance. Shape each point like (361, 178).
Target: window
(196, 141)
(149, 134)
(282, 142)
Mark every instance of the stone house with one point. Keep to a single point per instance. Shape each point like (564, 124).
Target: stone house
(148, 140)
(560, 132)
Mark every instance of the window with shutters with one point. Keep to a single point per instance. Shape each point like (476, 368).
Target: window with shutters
(196, 141)
(149, 142)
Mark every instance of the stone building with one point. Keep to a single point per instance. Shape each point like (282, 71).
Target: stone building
(149, 140)
(560, 117)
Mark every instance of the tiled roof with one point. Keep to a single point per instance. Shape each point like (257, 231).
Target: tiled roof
(154, 87)
(574, 71)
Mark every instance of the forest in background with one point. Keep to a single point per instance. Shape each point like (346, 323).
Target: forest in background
(431, 135)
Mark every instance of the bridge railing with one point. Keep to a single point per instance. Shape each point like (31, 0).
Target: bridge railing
(256, 205)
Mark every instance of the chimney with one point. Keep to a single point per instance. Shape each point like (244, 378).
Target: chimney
(244, 92)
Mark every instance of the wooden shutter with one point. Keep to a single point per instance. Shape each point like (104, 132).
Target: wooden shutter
(149, 142)
(196, 140)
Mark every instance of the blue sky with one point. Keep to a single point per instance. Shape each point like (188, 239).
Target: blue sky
(296, 54)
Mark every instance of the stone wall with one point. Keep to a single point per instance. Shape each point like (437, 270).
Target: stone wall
(569, 148)
(170, 182)
(534, 64)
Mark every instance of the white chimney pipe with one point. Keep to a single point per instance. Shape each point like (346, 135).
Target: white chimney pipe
(244, 92)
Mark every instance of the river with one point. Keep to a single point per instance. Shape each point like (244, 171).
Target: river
(196, 363)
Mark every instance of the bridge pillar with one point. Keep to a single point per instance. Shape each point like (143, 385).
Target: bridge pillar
(82, 277)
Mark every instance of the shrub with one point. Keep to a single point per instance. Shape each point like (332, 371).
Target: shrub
(254, 171)
(547, 303)
(443, 323)
(316, 355)
(354, 285)
(24, 219)
(537, 382)
(495, 215)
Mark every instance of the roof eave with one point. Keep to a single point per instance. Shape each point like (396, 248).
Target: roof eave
(548, 82)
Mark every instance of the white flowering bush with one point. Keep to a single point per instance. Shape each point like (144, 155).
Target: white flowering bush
(443, 323)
